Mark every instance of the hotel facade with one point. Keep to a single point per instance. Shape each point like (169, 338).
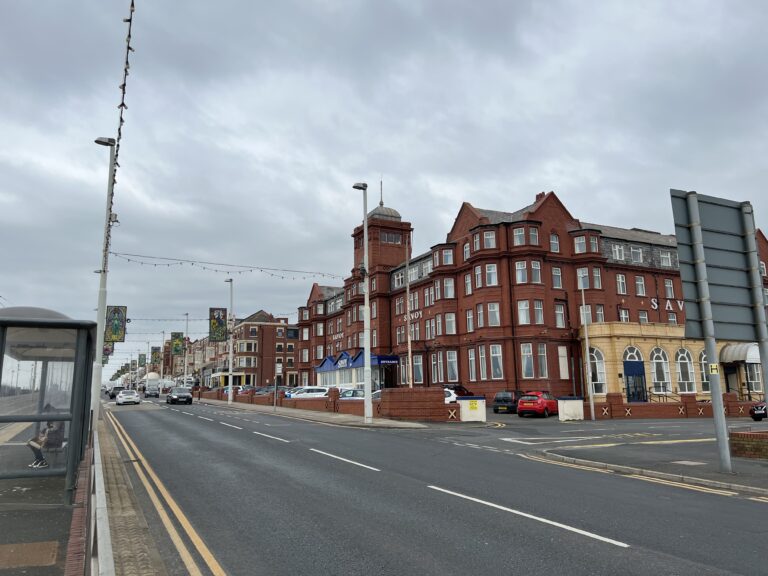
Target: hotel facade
(505, 303)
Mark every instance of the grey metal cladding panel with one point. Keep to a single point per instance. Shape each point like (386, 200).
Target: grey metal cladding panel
(743, 332)
(692, 311)
(679, 208)
(684, 253)
(690, 292)
(715, 257)
(693, 330)
(725, 277)
(716, 215)
(735, 295)
(683, 234)
(730, 240)
(724, 314)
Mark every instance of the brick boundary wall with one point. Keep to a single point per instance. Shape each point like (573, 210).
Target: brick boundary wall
(77, 547)
(615, 407)
(749, 444)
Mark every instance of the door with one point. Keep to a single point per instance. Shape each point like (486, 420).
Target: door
(634, 378)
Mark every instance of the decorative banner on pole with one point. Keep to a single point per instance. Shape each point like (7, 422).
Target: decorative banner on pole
(217, 331)
(177, 343)
(114, 328)
(155, 355)
(109, 349)
(142, 360)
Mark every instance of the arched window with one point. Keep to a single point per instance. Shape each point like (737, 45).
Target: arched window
(686, 379)
(632, 354)
(597, 368)
(704, 366)
(660, 371)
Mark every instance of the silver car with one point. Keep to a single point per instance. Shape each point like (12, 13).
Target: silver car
(127, 397)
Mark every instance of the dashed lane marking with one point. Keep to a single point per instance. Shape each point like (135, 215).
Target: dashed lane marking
(231, 425)
(187, 413)
(760, 499)
(345, 460)
(532, 517)
(204, 418)
(273, 437)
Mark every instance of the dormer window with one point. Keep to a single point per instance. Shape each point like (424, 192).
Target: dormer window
(447, 257)
(489, 239)
(533, 236)
(636, 253)
(518, 235)
(580, 244)
(594, 245)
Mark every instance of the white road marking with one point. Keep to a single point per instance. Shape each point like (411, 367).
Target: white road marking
(204, 418)
(187, 413)
(532, 517)
(345, 460)
(548, 439)
(175, 409)
(273, 437)
(231, 425)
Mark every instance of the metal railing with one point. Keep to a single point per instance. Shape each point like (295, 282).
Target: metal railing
(663, 395)
(102, 562)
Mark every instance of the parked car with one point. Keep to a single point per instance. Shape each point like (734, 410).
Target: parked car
(506, 401)
(311, 392)
(352, 394)
(758, 411)
(539, 403)
(450, 396)
(127, 397)
(179, 395)
(115, 390)
(293, 392)
(247, 389)
(459, 389)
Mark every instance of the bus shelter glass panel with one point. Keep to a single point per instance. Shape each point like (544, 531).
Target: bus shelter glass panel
(36, 384)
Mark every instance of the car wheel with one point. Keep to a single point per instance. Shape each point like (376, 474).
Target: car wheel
(520, 414)
(495, 410)
(546, 413)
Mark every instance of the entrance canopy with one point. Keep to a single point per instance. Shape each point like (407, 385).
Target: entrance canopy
(744, 352)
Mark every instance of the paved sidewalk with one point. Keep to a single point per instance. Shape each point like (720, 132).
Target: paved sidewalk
(690, 462)
(317, 416)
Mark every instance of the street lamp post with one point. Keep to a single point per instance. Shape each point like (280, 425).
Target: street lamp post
(101, 311)
(585, 322)
(231, 322)
(367, 400)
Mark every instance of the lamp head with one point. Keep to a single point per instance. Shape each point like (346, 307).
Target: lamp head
(103, 141)
(361, 186)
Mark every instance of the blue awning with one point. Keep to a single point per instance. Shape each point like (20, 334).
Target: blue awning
(345, 361)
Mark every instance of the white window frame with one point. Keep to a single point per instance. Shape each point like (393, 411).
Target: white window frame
(497, 364)
(579, 244)
(526, 360)
(554, 243)
(491, 275)
(523, 312)
(494, 312)
(686, 375)
(621, 284)
(489, 239)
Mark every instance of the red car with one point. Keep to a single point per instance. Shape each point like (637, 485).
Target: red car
(540, 403)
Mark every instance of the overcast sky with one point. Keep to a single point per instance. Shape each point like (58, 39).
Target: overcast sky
(248, 122)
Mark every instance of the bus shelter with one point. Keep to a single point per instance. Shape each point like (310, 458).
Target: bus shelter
(45, 376)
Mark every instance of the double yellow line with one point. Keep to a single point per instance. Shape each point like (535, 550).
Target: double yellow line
(140, 466)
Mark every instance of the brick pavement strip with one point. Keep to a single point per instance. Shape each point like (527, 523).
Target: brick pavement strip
(134, 550)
